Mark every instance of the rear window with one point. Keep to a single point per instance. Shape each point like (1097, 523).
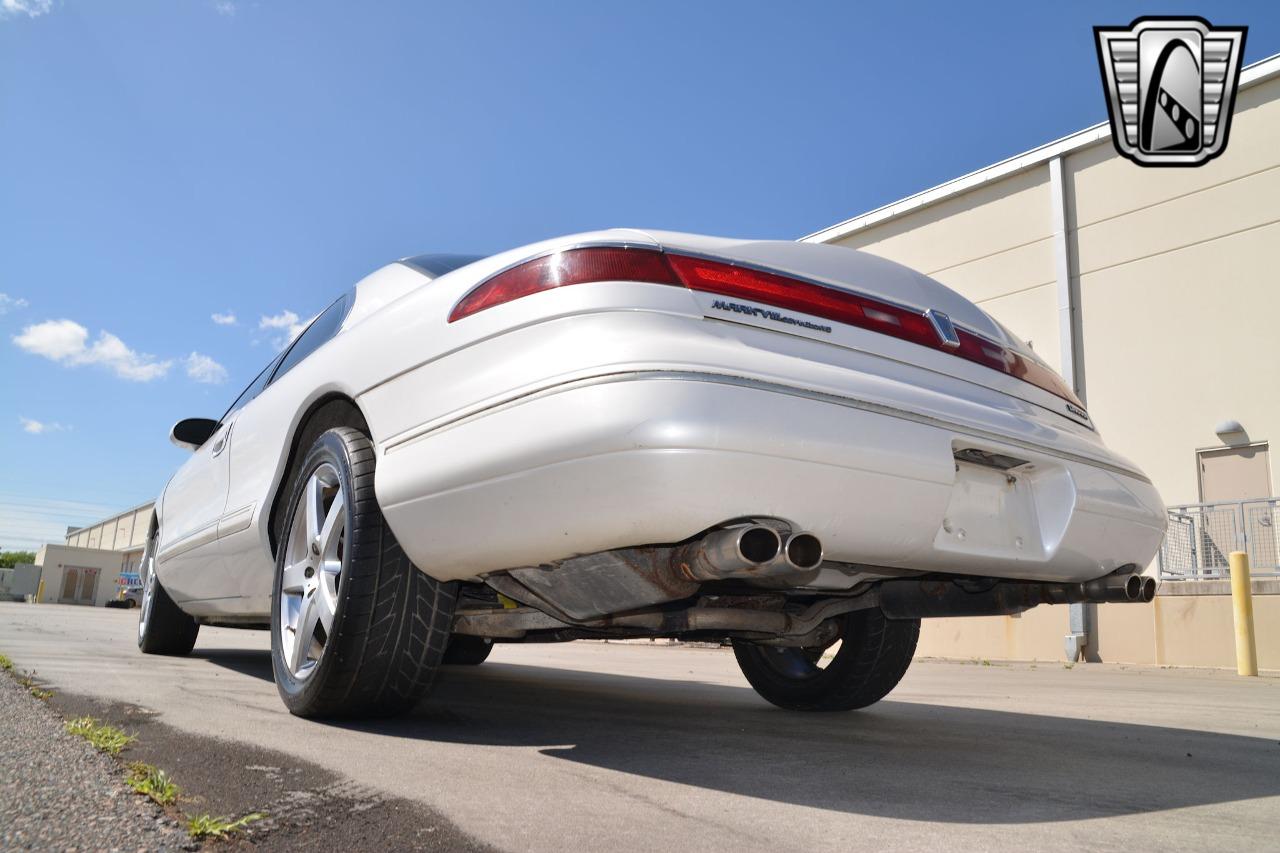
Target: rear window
(437, 265)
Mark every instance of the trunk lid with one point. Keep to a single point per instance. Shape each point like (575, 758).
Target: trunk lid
(879, 279)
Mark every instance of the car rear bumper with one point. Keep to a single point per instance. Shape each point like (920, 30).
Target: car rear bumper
(648, 457)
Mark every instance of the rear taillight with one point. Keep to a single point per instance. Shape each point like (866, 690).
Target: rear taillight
(561, 269)
(607, 263)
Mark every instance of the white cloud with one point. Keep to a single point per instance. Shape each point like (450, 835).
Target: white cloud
(227, 319)
(288, 322)
(66, 342)
(283, 320)
(224, 7)
(30, 8)
(11, 303)
(37, 427)
(201, 368)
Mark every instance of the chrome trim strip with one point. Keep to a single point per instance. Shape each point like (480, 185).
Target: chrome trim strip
(234, 522)
(203, 536)
(448, 422)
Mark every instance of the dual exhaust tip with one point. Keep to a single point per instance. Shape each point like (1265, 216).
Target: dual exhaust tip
(757, 549)
(1125, 586)
(760, 545)
(1140, 588)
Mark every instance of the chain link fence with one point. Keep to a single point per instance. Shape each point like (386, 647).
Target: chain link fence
(1200, 536)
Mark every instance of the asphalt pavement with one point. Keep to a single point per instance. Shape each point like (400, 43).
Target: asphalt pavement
(590, 746)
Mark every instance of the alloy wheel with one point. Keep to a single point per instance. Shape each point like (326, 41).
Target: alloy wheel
(147, 567)
(314, 550)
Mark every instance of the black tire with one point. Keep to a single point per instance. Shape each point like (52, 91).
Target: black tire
(874, 655)
(465, 650)
(163, 629)
(390, 623)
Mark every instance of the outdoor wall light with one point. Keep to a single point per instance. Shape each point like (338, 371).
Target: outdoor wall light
(1231, 432)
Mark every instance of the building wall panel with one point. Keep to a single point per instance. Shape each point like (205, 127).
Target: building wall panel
(1002, 217)
(1175, 343)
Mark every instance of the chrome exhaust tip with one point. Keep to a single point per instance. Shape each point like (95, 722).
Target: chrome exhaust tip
(757, 544)
(1149, 587)
(803, 551)
(728, 552)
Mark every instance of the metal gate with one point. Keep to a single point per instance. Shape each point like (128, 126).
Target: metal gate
(1200, 536)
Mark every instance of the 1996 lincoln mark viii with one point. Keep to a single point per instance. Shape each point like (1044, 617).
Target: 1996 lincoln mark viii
(800, 448)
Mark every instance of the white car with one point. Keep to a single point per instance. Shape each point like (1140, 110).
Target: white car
(799, 448)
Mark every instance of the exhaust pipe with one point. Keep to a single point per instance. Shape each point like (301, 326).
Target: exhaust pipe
(1121, 588)
(731, 552)
(920, 599)
(803, 551)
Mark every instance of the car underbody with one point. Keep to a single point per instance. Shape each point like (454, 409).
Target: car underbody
(745, 581)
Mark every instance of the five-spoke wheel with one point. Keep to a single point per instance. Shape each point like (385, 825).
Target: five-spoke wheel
(163, 629)
(356, 629)
(312, 572)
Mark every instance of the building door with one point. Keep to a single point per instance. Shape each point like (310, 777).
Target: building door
(79, 585)
(88, 586)
(1228, 475)
(1234, 474)
(70, 583)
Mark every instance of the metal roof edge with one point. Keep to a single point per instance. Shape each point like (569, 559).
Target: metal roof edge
(121, 514)
(1258, 72)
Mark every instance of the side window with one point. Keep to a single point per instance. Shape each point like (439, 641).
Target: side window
(255, 387)
(321, 329)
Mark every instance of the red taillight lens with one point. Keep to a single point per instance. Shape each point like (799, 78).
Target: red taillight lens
(561, 269)
(609, 263)
(862, 311)
(784, 292)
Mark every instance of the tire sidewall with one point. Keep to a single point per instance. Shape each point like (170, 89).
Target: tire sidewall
(808, 690)
(851, 680)
(329, 448)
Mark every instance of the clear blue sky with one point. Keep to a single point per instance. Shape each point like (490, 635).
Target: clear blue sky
(163, 162)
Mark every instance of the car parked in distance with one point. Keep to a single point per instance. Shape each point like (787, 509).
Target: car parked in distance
(799, 448)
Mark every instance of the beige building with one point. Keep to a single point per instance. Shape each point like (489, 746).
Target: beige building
(1156, 293)
(79, 575)
(125, 532)
(97, 562)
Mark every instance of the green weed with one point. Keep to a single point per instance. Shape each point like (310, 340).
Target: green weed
(152, 781)
(206, 826)
(106, 738)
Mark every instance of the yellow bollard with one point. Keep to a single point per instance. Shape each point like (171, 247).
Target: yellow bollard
(40, 591)
(1242, 604)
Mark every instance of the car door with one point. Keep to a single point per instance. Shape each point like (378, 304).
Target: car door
(192, 506)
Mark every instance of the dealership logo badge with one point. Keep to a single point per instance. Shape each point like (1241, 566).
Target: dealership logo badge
(1171, 86)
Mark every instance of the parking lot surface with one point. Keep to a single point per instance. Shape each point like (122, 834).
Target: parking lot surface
(643, 747)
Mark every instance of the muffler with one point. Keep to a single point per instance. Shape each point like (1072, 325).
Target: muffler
(594, 585)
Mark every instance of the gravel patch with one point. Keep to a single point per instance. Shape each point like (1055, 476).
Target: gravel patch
(58, 793)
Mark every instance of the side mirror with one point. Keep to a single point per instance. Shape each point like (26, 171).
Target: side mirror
(190, 433)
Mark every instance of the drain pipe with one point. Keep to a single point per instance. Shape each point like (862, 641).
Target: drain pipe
(1081, 615)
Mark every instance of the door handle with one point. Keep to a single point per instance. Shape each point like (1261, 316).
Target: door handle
(221, 444)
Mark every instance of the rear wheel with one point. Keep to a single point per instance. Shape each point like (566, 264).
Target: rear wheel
(163, 629)
(873, 655)
(467, 651)
(356, 629)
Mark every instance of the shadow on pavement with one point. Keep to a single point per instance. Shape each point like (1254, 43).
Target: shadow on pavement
(253, 663)
(895, 759)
